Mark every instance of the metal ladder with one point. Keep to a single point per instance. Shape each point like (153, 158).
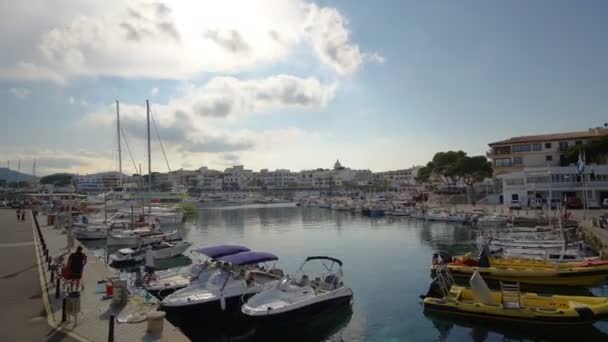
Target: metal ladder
(511, 295)
(444, 279)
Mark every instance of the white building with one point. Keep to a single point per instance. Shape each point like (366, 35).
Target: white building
(278, 179)
(237, 177)
(404, 179)
(207, 179)
(546, 150)
(548, 184)
(98, 182)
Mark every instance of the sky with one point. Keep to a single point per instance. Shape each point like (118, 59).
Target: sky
(293, 84)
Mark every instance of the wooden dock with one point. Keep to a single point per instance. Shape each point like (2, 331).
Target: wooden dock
(98, 316)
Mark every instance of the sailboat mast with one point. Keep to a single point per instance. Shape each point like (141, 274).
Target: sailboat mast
(119, 149)
(149, 156)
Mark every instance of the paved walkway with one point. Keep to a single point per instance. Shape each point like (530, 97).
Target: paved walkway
(93, 320)
(22, 313)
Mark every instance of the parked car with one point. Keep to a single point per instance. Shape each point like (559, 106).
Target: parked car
(515, 204)
(556, 203)
(574, 203)
(537, 203)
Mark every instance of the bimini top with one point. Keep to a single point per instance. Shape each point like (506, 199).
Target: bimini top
(215, 252)
(320, 257)
(249, 258)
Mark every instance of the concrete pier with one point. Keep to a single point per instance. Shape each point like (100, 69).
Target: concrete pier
(94, 320)
(23, 314)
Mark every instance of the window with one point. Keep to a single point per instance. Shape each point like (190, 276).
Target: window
(563, 145)
(503, 162)
(537, 147)
(549, 157)
(547, 145)
(517, 160)
(578, 142)
(514, 181)
(522, 148)
(515, 197)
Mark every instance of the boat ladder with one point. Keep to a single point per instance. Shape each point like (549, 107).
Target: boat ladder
(511, 295)
(444, 279)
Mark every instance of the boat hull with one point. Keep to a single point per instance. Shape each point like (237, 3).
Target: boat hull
(300, 314)
(589, 277)
(191, 316)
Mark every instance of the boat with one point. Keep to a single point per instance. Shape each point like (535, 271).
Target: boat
(540, 272)
(140, 237)
(491, 221)
(510, 303)
(98, 231)
(301, 297)
(239, 277)
(161, 250)
(164, 284)
(543, 254)
(445, 217)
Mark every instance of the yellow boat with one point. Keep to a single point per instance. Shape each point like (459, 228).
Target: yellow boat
(584, 273)
(511, 305)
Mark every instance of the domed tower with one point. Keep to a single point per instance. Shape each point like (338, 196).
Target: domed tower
(337, 165)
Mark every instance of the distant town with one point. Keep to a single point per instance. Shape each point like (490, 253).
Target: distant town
(524, 171)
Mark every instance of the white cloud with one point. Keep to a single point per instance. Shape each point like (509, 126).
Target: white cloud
(176, 40)
(190, 122)
(20, 93)
(84, 102)
(71, 100)
(153, 91)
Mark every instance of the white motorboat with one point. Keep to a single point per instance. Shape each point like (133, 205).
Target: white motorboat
(164, 284)
(236, 279)
(140, 237)
(162, 250)
(443, 216)
(402, 211)
(162, 215)
(98, 231)
(543, 254)
(292, 300)
(491, 221)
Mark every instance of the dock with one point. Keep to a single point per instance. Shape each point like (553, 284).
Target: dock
(99, 319)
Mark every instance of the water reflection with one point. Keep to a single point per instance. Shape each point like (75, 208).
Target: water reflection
(481, 330)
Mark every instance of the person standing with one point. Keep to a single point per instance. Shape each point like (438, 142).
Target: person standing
(149, 266)
(23, 215)
(18, 214)
(76, 262)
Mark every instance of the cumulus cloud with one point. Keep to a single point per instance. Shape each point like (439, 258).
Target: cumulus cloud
(224, 96)
(154, 91)
(20, 93)
(71, 100)
(176, 40)
(189, 121)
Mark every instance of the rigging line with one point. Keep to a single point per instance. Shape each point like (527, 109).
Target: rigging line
(160, 141)
(129, 149)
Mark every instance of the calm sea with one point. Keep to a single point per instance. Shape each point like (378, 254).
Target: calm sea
(386, 263)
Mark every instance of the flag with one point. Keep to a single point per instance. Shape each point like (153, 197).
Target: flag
(580, 165)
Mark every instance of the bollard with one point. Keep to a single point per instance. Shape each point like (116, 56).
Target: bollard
(64, 314)
(52, 269)
(58, 287)
(111, 329)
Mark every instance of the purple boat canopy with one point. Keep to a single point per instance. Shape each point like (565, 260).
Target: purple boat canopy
(215, 252)
(249, 258)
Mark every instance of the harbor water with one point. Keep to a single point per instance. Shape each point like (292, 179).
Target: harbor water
(386, 263)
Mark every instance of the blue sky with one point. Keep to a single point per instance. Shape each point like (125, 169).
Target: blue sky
(294, 84)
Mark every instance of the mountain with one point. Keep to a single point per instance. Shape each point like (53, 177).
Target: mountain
(13, 176)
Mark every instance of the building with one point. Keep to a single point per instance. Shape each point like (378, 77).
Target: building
(278, 179)
(237, 177)
(550, 184)
(209, 180)
(546, 150)
(98, 182)
(404, 179)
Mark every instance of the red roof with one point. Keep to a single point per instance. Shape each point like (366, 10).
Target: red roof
(591, 133)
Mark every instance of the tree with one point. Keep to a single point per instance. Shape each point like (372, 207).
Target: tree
(445, 165)
(596, 151)
(57, 179)
(456, 166)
